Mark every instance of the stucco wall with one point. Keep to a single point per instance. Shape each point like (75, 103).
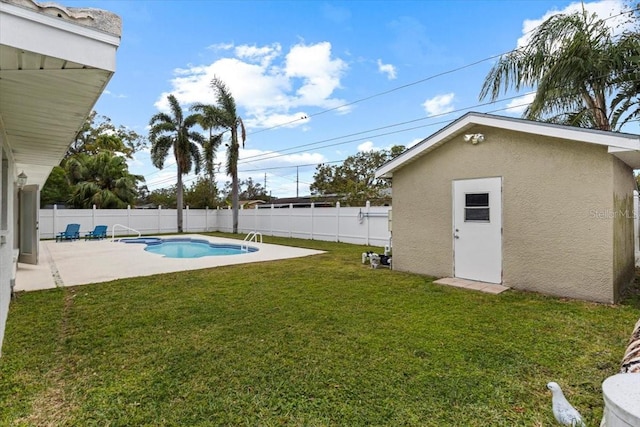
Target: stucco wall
(622, 221)
(553, 191)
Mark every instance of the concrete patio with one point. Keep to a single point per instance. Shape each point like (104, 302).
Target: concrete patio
(81, 262)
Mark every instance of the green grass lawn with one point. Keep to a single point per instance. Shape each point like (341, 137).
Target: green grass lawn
(313, 341)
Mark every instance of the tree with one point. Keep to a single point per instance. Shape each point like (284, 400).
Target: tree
(202, 194)
(165, 197)
(102, 180)
(252, 190)
(208, 118)
(576, 65)
(354, 179)
(56, 189)
(173, 132)
(626, 104)
(247, 190)
(98, 133)
(228, 119)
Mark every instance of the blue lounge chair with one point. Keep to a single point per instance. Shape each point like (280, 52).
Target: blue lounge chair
(71, 233)
(99, 232)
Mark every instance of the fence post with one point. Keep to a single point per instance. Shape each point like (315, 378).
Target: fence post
(337, 221)
(290, 221)
(312, 211)
(367, 208)
(129, 216)
(206, 219)
(55, 220)
(271, 220)
(255, 217)
(186, 220)
(93, 217)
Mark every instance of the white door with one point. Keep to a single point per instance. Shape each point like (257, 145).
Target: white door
(28, 218)
(477, 229)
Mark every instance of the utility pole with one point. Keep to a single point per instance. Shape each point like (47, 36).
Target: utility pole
(265, 182)
(297, 181)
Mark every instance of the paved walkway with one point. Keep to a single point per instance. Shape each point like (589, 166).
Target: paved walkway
(82, 262)
(491, 288)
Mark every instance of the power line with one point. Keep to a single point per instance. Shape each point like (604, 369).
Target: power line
(269, 156)
(431, 77)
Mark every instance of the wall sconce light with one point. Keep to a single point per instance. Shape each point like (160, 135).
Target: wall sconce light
(21, 181)
(474, 138)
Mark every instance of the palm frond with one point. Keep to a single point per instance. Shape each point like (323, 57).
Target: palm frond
(176, 110)
(160, 150)
(576, 65)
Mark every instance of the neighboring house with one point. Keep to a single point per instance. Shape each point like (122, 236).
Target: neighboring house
(250, 204)
(303, 202)
(54, 64)
(533, 206)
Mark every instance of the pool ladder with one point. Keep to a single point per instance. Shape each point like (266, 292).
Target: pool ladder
(251, 237)
(113, 231)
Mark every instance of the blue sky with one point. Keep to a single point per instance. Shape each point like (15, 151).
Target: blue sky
(365, 74)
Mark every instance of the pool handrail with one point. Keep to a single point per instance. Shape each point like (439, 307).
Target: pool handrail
(113, 231)
(251, 237)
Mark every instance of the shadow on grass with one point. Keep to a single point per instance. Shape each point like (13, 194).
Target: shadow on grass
(631, 295)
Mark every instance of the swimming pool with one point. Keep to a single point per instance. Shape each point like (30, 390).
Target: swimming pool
(189, 248)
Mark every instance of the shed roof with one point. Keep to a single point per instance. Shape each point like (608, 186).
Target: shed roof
(622, 145)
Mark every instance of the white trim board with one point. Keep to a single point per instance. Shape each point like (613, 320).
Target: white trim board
(622, 145)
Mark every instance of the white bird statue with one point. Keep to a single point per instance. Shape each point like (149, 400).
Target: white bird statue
(566, 414)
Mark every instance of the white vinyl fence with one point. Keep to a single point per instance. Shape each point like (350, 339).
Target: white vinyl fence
(366, 225)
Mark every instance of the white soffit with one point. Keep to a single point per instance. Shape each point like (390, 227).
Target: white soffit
(52, 72)
(624, 146)
(44, 34)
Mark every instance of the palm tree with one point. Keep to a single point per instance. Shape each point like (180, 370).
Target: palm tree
(208, 119)
(626, 104)
(173, 131)
(102, 179)
(227, 118)
(576, 64)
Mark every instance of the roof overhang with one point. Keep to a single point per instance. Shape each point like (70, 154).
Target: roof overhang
(624, 146)
(54, 64)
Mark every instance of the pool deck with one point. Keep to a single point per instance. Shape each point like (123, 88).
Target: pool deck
(83, 262)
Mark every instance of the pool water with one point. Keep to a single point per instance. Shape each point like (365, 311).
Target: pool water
(190, 248)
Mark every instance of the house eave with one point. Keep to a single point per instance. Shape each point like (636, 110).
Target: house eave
(620, 145)
(52, 72)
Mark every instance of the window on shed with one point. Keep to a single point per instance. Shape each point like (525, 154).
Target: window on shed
(476, 207)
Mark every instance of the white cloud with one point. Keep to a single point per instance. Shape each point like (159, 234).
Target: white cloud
(263, 55)
(603, 8)
(259, 159)
(519, 104)
(221, 46)
(387, 69)
(439, 104)
(162, 178)
(320, 74)
(268, 85)
(266, 120)
(367, 146)
(114, 95)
